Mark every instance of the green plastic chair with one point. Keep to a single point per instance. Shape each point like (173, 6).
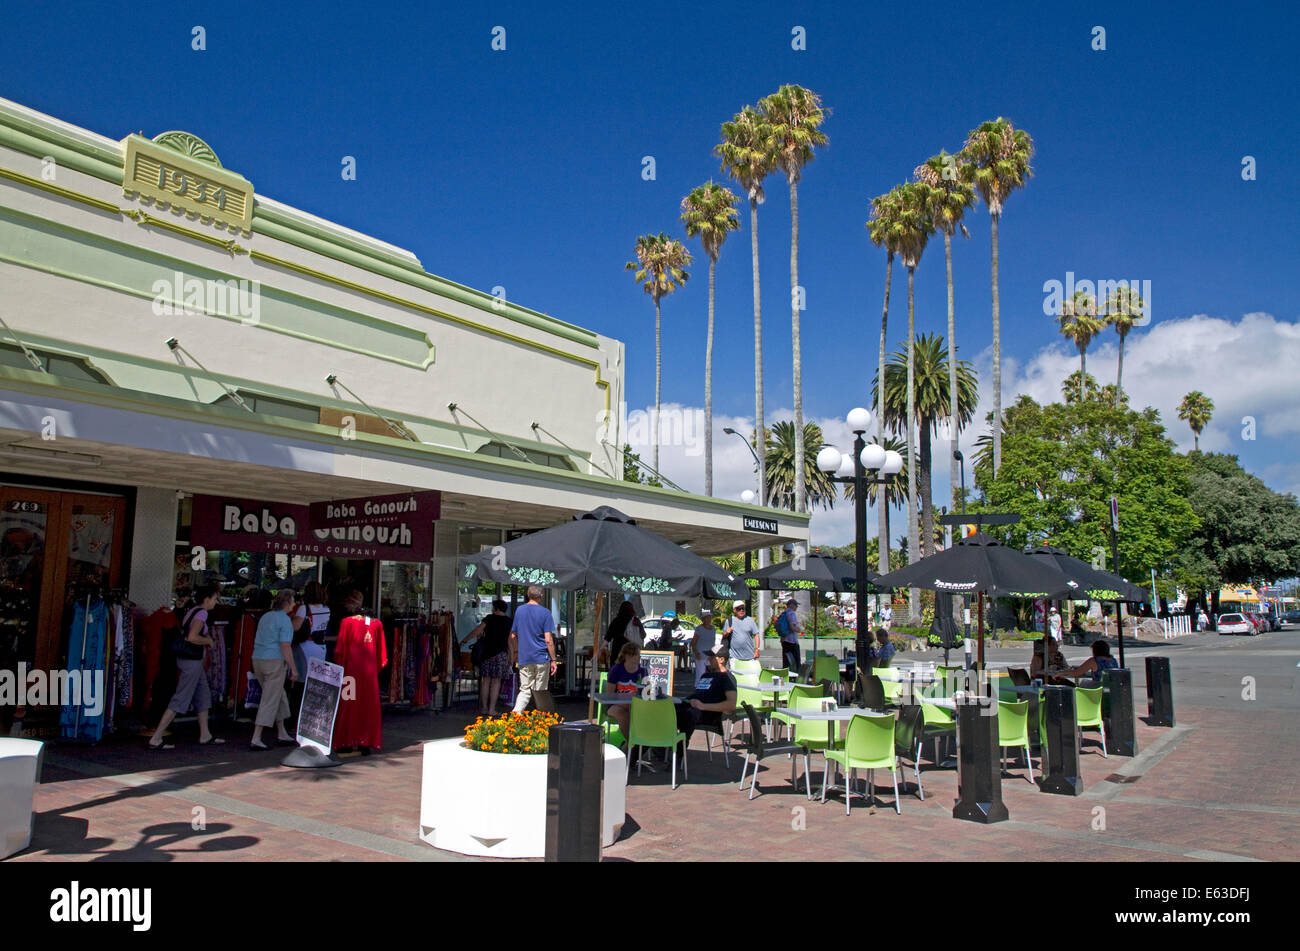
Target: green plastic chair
(797, 691)
(869, 745)
(826, 667)
(811, 735)
(893, 690)
(612, 731)
(943, 677)
(936, 722)
(1013, 729)
(757, 699)
(745, 668)
(654, 724)
(765, 676)
(1087, 713)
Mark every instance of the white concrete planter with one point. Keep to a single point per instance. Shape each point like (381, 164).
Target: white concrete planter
(20, 771)
(494, 804)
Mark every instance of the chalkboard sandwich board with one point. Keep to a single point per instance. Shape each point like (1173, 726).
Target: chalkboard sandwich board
(320, 705)
(659, 664)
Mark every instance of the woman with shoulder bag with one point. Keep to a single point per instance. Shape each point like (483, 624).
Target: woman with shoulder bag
(192, 685)
(493, 656)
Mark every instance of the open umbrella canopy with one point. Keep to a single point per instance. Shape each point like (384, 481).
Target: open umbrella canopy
(602, 550)
(1096, 584)
(982, 563)
(814, 572)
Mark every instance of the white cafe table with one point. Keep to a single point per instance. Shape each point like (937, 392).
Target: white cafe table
(625, 699)
(832, 716)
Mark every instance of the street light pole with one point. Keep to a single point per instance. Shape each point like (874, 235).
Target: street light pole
(762, 552)
(862, 640)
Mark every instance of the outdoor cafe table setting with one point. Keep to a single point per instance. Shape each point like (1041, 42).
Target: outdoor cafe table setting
(626, 698)
(832, 715)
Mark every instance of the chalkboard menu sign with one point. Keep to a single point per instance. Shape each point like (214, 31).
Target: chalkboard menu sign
(320, 704)
(659, 664)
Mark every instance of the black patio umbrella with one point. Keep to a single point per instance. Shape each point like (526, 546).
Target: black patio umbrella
(814, 572)
(602, 550)
(1096, 584)
(981, 563)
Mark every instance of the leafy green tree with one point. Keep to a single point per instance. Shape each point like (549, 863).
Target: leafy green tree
(660, 267)
(1198, 410)
(792, 120)
(709, 213)
(632, 471)
(1061, 463)
(1248, 534)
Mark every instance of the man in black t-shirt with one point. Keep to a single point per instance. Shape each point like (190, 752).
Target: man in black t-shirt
(715, 694)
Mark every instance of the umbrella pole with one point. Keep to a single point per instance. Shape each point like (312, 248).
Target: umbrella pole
(815, 629)
(595, 653)
(981, 628)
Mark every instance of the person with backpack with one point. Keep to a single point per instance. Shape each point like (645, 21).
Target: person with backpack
(192, 686)
(788, 629)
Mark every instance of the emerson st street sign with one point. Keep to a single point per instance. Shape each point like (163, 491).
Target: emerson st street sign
(765, 525)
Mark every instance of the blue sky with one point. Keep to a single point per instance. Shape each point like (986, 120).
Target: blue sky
(523, 168)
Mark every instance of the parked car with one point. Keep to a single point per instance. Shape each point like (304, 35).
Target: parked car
(1292, 617)
(1260, 620)
(1236, 624)
(682, 637)
(1274, 621)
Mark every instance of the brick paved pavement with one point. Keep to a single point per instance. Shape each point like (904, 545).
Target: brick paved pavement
(1221, 785)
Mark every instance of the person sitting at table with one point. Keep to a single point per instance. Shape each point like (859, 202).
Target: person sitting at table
(715, 694)
(883, 652)
(1099, 661)
(627, 672)
(1056, 664)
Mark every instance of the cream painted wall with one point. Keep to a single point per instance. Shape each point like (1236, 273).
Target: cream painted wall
(507, 385)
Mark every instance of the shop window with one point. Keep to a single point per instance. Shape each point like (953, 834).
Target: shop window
(69, 368)
(536, 456)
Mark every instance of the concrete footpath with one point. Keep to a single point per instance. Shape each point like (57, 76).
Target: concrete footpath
(1223, 785)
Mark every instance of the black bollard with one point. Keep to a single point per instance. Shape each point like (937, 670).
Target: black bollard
(979, 777)
(1117, 712)
(1059, 731)
(575, 769)
(1160, 692)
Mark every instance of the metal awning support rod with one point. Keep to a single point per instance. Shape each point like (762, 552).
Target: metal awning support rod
(32, 358)
(174, 345)
(457, 408)
(646, 466)
(537, 426)
(397, 428)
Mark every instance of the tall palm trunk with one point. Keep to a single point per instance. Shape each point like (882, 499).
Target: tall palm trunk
(954, 473)
(997, 350)
(800, 474)
(708, 389)
(658, 369)
(913, 542)
(1083, 374)
(926, 475)
(1119, 375)
(883, 517)
(760, 434)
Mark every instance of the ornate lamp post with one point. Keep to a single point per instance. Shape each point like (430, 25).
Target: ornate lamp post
(852, 470)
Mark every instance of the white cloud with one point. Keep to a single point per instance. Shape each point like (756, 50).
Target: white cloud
(1246, 367)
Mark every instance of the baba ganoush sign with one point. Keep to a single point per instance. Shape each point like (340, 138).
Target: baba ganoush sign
(387, 527)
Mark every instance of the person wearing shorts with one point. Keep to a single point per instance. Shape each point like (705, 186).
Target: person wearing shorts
(192, 684)
(532, 648)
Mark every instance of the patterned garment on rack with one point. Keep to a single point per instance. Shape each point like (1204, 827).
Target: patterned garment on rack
(396, 670)
(421, 696)
(214, 662)
(87, 652)
(124, 662)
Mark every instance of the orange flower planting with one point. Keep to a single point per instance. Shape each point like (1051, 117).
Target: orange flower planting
(512, 733)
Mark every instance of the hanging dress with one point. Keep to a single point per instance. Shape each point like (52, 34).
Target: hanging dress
(87, 652)
(362, 654)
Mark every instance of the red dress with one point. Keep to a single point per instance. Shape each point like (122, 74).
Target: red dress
(361, 653)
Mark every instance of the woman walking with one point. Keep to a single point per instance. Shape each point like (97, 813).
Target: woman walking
(192, 685)
(272, 659)
(494, 664)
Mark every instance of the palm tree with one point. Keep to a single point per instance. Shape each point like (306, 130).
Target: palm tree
(995, 160)
(792, 118)
(781, 468)
(915, 225)
(882, 227)
(1197, 409)
(660, 267)
(1079, 322)
(709, 212)
(744, 157)
(955, 197)
(1076, 387)
(1123, 308)
(930, 398)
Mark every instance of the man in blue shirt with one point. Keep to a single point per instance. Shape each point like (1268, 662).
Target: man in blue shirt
(532, 649)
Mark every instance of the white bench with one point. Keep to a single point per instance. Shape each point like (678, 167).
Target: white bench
(20, 771)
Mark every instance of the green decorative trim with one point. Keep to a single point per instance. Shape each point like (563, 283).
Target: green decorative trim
(800, 584)
(22, 135)
(59, 190)
(229, 245)
(532, 576)
(724, 589)
(189, 145)
(269, 296)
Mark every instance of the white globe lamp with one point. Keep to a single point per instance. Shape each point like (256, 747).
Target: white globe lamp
(873, 457)
(859, 420)
(828, 460)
